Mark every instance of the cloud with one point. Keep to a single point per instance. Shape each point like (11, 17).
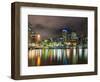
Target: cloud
(51, 25)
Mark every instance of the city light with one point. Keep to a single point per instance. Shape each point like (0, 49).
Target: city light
(63, 50)
(38, 36)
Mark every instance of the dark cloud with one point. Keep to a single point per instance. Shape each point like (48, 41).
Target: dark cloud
(51, 25)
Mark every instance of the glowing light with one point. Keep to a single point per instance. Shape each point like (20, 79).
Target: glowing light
(74, 56)
(31, 54)
(69, 43)
(38, 61)
(86, 53)
(38, 35)
(74, 44)
(80, 53)
(68, 53)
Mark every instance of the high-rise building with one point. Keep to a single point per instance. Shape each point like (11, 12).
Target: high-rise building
(64, 34)
(74, 36)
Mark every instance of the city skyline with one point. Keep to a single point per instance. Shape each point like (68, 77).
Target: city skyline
(56, 40)
(52, 25)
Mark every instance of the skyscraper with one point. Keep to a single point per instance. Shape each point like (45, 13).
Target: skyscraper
(74, 36)
(64, 34)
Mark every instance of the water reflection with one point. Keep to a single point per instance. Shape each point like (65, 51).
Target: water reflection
(46, 56)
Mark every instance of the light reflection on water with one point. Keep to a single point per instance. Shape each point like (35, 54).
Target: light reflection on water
(42, 57)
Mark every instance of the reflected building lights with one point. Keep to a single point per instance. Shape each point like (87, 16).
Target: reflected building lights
(37, 56)
(68, 53)
(63, 50)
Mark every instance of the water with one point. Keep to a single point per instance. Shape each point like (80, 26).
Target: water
(46, 56)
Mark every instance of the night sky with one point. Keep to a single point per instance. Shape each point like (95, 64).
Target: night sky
(51, 26)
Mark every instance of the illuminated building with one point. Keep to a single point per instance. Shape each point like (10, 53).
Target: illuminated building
(38, 38)
(64, 34)
(74, 36)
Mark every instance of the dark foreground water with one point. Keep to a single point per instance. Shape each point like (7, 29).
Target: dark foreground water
(45, 56)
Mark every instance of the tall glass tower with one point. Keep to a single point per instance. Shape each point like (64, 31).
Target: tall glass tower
(64, 34)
